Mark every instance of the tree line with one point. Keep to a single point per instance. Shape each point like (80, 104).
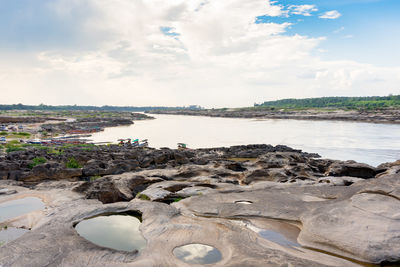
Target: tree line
(89, 108)
(367, 102)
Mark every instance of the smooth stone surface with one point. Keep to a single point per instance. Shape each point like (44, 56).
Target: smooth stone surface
(120, 232)
(14, 208)
(198, 254)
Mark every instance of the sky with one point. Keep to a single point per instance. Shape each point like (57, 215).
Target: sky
(213, 53)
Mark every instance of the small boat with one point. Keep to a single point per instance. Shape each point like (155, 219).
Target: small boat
(143, 143)
(182, 146)
(34, 141)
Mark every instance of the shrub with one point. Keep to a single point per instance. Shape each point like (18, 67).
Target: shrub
(94, 178)
(23, 134)
(178, 199)
(3, 133)
(37, 161)
(12, 148)
(142, 196)
(72, 163)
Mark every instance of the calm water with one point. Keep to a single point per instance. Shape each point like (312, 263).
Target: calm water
(198, 254)
(120, 232)
(14, 208)
(363, 142)
(11, 233)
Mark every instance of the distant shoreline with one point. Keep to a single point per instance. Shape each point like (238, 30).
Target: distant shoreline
(390, 116)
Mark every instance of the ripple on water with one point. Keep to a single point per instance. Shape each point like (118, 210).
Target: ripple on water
(119, 232)
(198, 254)
(18, 207)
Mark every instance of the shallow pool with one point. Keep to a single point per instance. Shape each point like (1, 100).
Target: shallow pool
(18, 207)
(120, 232)
(10, 233)
(198, 254)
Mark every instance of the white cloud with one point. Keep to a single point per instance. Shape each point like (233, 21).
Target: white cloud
(221, 57)
(339, 30)
(304, 10)
(333, 14)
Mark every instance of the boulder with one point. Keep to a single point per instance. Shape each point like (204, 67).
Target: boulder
(350, 168)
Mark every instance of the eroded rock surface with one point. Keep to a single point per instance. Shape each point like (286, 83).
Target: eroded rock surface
(222, 197)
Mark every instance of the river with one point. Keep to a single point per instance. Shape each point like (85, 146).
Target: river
(363, 142)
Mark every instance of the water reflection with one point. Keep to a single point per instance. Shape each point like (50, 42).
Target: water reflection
(120, 232)
(275, 231)
(198, 254)
(14, 208)
(363, 142)
(277, 238)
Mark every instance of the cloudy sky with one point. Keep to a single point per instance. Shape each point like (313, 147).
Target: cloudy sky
(215, 53)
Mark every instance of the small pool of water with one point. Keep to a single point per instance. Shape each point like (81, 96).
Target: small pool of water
(278, 238)
(10, 234)
(198, 254)
(18, 207)
(245, 202)
(119, 232)
(276, 231)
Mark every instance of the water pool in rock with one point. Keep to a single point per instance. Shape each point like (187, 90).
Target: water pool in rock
(10, 233)
(17, 207)
(279, 232)
(245, 202)
(116, 231)
(198, 254)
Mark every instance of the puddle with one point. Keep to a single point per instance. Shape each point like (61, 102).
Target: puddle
(246, 202)
(285, 234)
(198, 254)
(14, 208)
(275, 233)
(119, 232)
(10, 234)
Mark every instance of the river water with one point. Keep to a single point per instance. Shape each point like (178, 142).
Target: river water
(364, 142)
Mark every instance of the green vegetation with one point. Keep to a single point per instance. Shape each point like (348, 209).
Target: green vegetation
(142, 196)
(37, 161)
(15, 134)
(72, 163)
(94, 177)
(178, 199)
(87, 108)
(13, 145)
(370, 102)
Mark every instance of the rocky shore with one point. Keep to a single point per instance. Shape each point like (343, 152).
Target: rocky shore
(94, 122)
(375, 116)
(336, 213)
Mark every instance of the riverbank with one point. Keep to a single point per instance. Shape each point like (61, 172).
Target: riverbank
(38, 125)
(372, 116)
(236, 199)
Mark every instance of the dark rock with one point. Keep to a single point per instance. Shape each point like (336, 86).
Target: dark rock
(352, 169)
